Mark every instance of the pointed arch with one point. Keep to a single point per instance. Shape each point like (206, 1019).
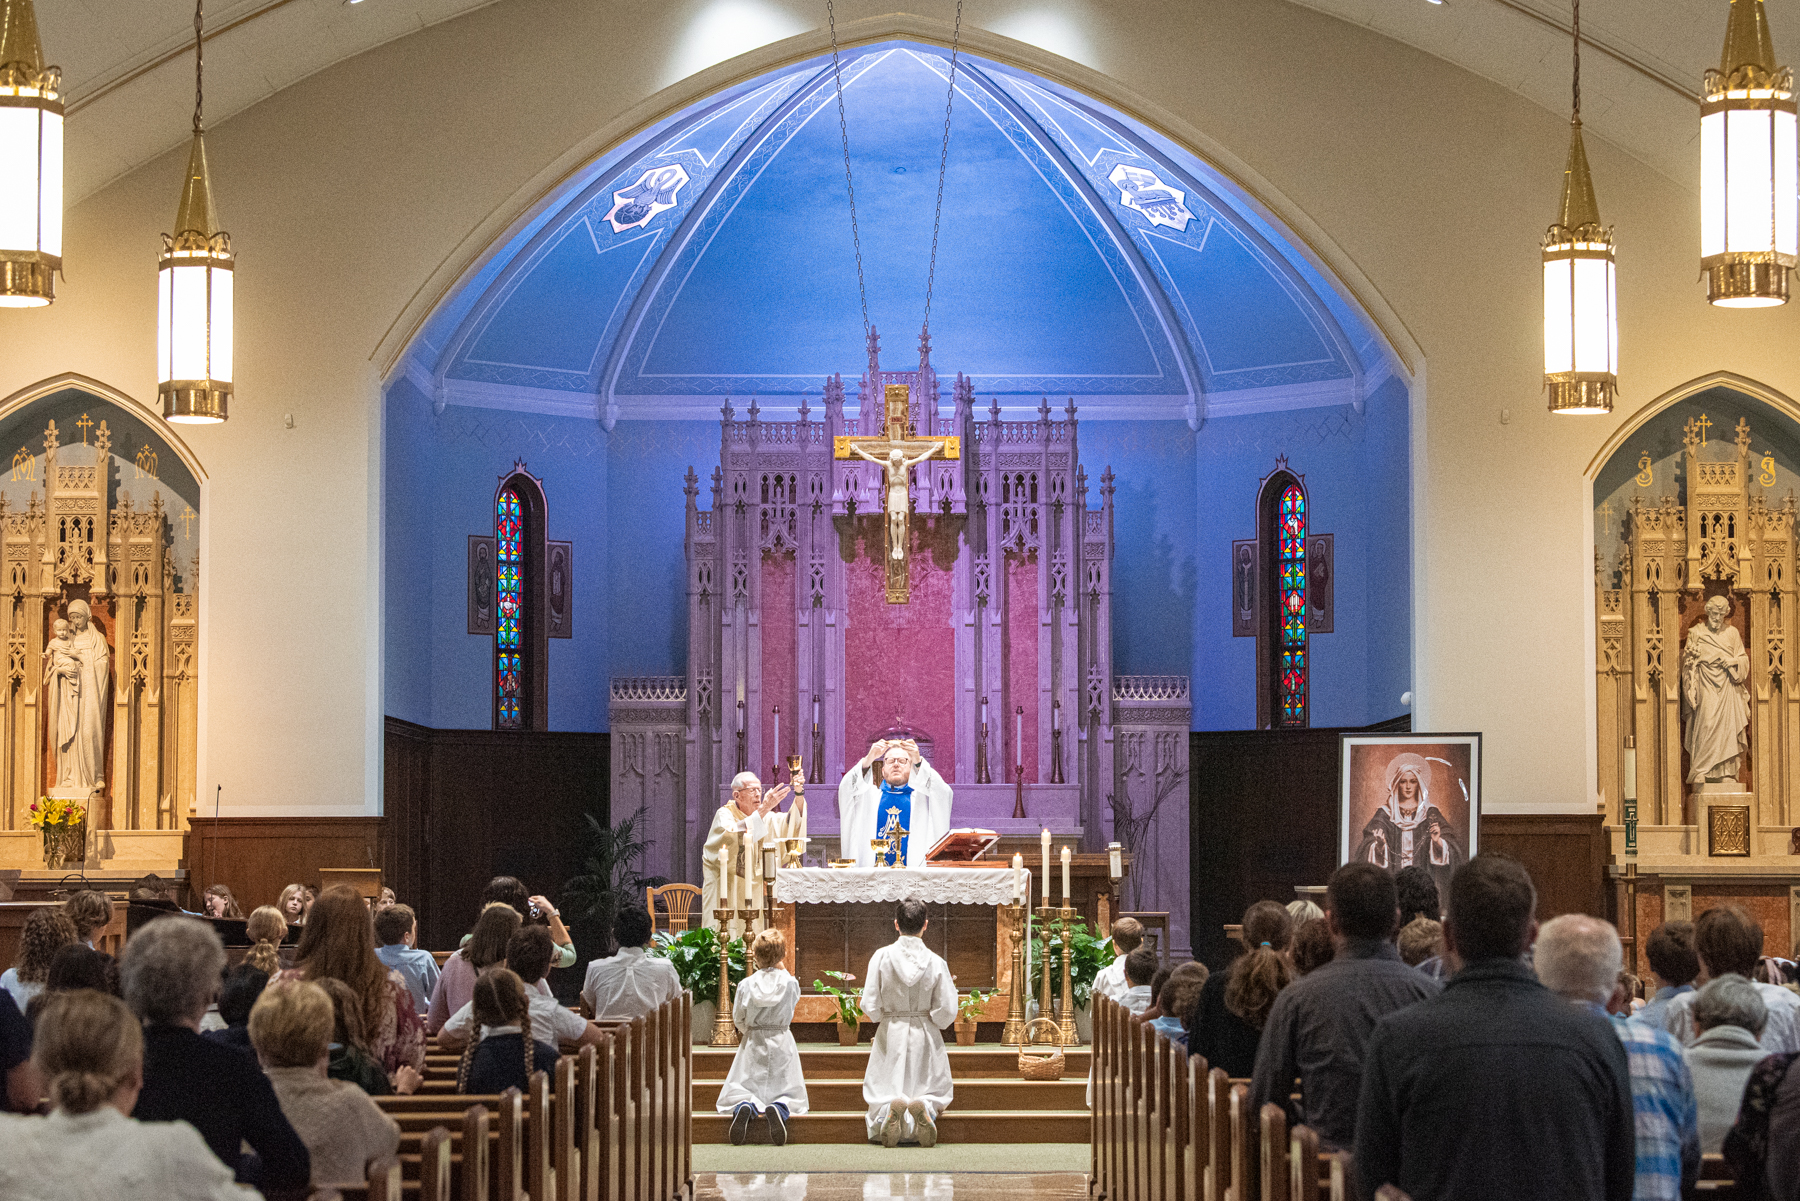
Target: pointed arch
(1283, 655)
(1779, 401)
(521, 680)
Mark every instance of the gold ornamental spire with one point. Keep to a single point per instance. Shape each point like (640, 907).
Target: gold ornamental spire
(19, 41)
(1747, 41)
(195, 213)
(1578, 207)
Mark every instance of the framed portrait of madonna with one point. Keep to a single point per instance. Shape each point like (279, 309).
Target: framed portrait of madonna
(1409, 800)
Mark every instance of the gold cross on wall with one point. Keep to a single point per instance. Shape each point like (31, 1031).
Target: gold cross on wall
(1705, 423)
(84, 423)
(897, 452)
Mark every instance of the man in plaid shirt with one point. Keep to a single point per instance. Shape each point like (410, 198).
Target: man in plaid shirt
(1579, 958)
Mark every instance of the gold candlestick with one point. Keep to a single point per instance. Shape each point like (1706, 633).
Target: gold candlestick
(1066, 1019)
(1045, 914)
(724, 1032)
(1015, 1001)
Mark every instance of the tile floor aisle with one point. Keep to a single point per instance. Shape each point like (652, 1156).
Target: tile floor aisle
(890, 1186)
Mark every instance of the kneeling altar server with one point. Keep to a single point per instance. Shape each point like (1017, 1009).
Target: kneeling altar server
(892, 793)
(909, 991)
(765, 1073)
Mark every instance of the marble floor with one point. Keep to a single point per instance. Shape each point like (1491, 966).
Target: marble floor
(890, 1186)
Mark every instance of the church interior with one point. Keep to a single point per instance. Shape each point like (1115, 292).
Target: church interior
(1082, 470)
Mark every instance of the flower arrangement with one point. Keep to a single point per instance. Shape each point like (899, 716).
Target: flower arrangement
(57, 813)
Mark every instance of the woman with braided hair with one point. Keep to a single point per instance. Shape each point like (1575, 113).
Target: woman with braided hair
(504, 1054)
(90, 1051)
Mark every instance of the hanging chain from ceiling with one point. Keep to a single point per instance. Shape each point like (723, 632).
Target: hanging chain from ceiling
(943, 165)
(1577, 84)
(199, 62)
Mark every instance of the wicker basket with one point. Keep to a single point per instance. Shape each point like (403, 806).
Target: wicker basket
(1041, 1067)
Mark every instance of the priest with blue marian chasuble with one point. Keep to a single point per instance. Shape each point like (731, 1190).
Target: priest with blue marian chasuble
(892, 793)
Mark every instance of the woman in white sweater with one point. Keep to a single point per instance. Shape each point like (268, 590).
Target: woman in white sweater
(90, 1051)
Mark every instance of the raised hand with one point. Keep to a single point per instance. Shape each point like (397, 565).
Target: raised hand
(877, 749)
(772, 799)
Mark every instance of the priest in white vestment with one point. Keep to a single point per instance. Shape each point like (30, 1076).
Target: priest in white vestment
(908, 990)
(892, 790)
(752, 818)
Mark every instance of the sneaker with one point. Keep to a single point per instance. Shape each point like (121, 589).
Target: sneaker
(895, 1124)
(740, 1123)
(924, 1129)
(778, 1133)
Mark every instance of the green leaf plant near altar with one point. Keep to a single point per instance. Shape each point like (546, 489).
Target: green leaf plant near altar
(848, 1000)
(968, 1006)
(1088, 956)
(610, 882)
(695, 955)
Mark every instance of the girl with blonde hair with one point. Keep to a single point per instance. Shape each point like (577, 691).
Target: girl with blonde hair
(90, 1051)
(293, 903)
(504, 1054)
(266, 928)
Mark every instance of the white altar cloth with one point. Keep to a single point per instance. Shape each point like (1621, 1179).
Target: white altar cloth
(934, 885)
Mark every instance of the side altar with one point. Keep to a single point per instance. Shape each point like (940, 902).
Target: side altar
(987, 639)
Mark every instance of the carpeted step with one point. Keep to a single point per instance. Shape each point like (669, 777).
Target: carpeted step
(955, 1125)
(824, 1062)
(1015, 1095)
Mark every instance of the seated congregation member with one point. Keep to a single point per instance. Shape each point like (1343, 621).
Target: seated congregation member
(20, 1088)
(765, 1074)
(1578, 957)
(1728, 941)
(528, 956)
(92, 911)
(1127, 936)
(237, 996)
(1673, 967)
(633, 982)
(290, 1027)
(483, 948)
(1228, 1021)
(1180, 993)
(1158, 978)
(1319, 1025)
(1421, 939)
(217, 901)
(46, 932)
(171, 969)
(386, 900)
(76, 966)
(294, 903)
(1140, 974)
(1313, 948)
(533, 911)
(349, 1058)
(1304, 910)
(909, 991)
(266, 929)
(1496, 1087)
(90, 1052)
(1729, 1018)
(508, 1046)
(396, 932)
(1763, 1147)
(339, 943)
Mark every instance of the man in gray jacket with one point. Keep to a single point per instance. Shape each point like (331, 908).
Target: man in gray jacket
(1729, 1016)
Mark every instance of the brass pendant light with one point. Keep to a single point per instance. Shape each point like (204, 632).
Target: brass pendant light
(1749, 194)
(31, 162)
(1581, 317)
(194, 289)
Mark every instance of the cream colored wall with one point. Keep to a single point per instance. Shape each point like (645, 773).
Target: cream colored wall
(357, 197)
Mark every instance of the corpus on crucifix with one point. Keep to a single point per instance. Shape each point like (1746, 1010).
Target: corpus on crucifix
(897, 452)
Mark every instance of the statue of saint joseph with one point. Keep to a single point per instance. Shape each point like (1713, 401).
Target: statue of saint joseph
(1714, 694)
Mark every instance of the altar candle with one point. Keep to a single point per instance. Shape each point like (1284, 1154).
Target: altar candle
(1115, 859)
(1018, 878)
(777, 737)
(725, 876)
(1630, 769)
(815, 710)
(1046, 868)
(1065, 876)
(1019, 756)
(984, 710)
(1056, 715)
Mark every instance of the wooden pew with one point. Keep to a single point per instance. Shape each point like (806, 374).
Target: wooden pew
(1245, 1160)
(1307, 1172)
(1273, 1160)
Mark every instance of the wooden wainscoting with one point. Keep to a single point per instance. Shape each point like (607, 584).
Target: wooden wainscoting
(1564, 852)
(258, 856)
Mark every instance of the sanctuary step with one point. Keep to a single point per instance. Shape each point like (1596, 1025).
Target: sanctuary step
(955, 1125)
(822, 1061)
(1017, 1095)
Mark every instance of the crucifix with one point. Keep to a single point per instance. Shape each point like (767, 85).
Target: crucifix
(897, 452)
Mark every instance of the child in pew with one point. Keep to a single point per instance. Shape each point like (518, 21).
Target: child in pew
(909, 991)
(1127, 936)
(1140, 970)
(529, 954)
(396, 928)
(291, 1028)
(505, 1052)
(765, 1074)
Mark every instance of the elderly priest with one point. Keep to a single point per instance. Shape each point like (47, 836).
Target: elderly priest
(892, 793)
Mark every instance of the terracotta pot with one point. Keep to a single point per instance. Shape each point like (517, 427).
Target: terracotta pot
(847, 1034)
(965, 1033)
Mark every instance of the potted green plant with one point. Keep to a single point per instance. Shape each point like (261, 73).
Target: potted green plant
(1087, 956)
(609, 882)
(695, 957)
(849, 1007)
(968, 1009)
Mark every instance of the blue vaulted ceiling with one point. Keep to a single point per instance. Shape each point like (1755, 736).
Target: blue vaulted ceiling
(1079, 255)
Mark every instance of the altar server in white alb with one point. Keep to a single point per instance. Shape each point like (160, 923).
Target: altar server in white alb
(765, 1077)
(908, 990)
(751, 818)
(892, 791)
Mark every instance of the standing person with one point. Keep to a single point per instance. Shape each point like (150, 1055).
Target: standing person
(1729, 1017)
(171, 970)
(1228, 1022)
(342, 1128)
(908, 990)
(1673, 967)
(765, 1074)
(633, 982)
(1319, 1025)
(483, 948)
(892, 792)
(1728, 941)
(1496, 1087)
(90, 1050)
(46, 932)
(1578, 958)
(748, 819)
(1127, 936)
(396, 930)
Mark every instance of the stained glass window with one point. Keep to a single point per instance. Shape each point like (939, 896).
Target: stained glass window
(509, 544)
(1291, 567)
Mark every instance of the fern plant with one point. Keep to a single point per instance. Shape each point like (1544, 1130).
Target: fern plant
(611, 882)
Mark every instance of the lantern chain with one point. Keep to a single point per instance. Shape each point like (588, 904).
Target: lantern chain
(943, 165)
(1577, 77)
(844, 132)
(199, 62)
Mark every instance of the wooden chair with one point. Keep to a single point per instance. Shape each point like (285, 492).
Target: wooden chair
(1157, 921)
(680, 907)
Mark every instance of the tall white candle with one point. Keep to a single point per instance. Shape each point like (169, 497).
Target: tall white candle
(1018, 878)
(777, 741)
(725, 875)
(1046, 836)
(1631, 773)
(984, 710)
(1065, 858)
(1019, 752)
(1056, 715)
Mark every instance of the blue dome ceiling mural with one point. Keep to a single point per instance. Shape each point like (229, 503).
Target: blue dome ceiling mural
(1080, 255)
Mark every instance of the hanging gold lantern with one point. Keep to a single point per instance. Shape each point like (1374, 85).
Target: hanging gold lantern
(1581, 311)
(31, 162)
(1749, 193)
(193, 289)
